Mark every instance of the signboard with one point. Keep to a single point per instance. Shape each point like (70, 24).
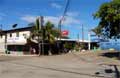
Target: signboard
(16, 40)
(65, 33)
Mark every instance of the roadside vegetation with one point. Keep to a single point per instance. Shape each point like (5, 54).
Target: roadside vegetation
(46, 36)
(109, 16)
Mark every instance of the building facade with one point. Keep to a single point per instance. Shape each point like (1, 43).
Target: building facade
(15, 40)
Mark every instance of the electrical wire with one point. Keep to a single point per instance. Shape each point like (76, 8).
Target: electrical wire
(63, 16)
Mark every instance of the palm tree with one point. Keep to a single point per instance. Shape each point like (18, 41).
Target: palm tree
(36, 33)
(51, 32)
(48, 33)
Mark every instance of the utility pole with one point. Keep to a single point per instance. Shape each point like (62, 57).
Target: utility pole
(89, 39)
(40, 27)
(61, 19)
(78, 37)
(59, 27)
(82, 34)
(63, 16)
(6, 42)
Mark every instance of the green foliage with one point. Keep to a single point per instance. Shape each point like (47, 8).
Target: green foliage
(48, 31)
(69, 46)
(109, 15)
(97, 31)
(77, 47)
(82, 46)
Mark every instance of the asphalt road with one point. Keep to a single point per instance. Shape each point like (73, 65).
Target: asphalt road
(70, 65)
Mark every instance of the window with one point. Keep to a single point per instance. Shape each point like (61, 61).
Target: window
(10, 34)
(24, 35)
(17, 34)
(19, 48)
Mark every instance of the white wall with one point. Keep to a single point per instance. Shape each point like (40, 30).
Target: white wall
(14, 40)
(2, 43)
(22, 39)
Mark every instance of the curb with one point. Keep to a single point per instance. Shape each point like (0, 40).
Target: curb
(17, 55)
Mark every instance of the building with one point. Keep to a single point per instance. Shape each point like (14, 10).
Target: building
(15, 40)
(81, 42)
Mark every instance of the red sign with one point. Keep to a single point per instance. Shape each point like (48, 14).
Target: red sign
(65, 33)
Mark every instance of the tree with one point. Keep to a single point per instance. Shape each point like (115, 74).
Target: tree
(48, 33)
(109, 16)
(37, 33)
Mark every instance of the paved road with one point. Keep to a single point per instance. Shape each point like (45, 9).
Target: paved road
(60, 66)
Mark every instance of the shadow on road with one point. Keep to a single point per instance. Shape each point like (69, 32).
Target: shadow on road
(111, 54)
(117, 72)
(110, 71)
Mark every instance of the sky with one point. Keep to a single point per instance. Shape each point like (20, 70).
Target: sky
(24, 12)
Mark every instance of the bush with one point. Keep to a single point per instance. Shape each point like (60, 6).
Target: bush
(68, 46)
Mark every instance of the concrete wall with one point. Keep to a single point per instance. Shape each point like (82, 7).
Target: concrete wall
(2, 43)
(14, 39)
(22, 39)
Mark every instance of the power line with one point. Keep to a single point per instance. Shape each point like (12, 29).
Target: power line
(82, 34)
(66, 8)
(63, 16)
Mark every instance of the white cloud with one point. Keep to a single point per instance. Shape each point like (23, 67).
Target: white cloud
(28, 18)
(67, 21)
(71, 20)
(2, 15)
(55, 5)
(53, 19)
(72, 14)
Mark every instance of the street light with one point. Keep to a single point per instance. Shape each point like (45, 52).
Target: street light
(89, 39)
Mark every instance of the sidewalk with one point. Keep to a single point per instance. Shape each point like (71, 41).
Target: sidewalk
(16, 54)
